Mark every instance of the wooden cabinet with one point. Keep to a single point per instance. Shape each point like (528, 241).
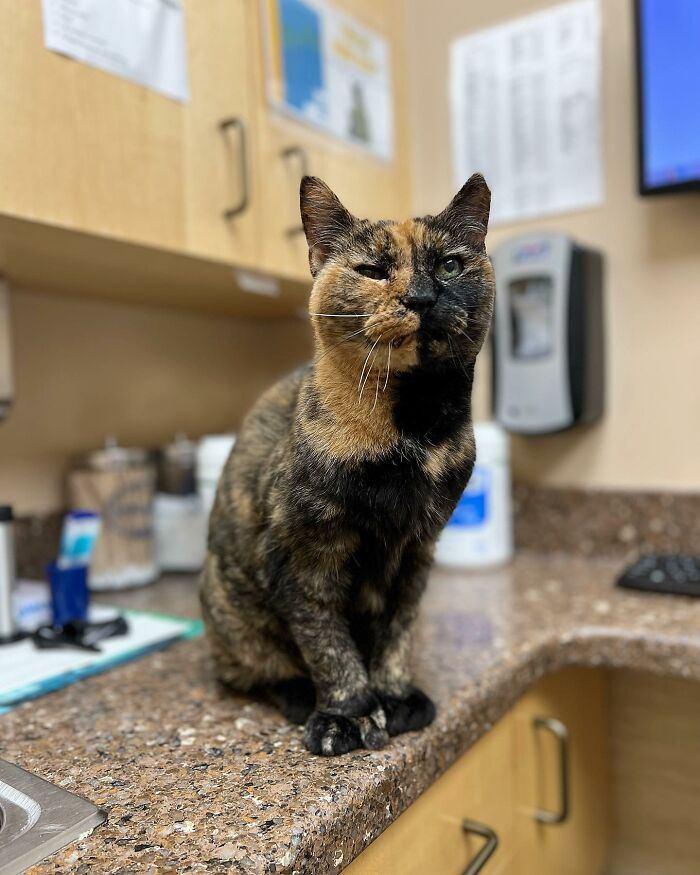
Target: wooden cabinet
(511, 774)
(89, 151)
(220, 162)
(429, 837)
(370, 187)
(83, 149)
(574, 700)
(138, 178)
(287, 151)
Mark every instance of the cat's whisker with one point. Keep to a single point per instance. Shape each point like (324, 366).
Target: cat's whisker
(369, 371)
(362, 388)
(341, 315)
(360, 385)
(342, 340)
(457, 356)
(376, 391)
(462, 326)
(362, 373)
(388, 362)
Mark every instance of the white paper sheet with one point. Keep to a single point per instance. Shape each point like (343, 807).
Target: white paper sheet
(329, 70)
(525, 101)
(26, 672)
(140, 40)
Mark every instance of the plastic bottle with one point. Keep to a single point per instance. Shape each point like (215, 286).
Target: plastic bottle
(8, 628)
(212, 453)
(480, 531)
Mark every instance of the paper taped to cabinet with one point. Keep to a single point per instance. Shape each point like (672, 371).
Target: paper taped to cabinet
(139, 40)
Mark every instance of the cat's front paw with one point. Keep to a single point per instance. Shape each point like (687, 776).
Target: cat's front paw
(406, 713)
(331, 735)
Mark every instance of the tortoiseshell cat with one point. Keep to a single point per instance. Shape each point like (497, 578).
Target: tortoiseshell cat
(345, 472)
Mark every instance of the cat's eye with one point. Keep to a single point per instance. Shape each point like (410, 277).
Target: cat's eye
(448, 267)
(373, 271)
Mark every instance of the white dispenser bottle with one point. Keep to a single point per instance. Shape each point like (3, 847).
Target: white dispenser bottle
(8, 630)
(480, 531)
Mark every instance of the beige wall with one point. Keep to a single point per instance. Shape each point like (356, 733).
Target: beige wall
(86, 369)
(650, 435)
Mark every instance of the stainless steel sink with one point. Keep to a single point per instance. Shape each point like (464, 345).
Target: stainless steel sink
(38, 818)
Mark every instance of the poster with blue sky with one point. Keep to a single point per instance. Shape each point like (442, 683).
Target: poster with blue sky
(329, 70)
(302, 62)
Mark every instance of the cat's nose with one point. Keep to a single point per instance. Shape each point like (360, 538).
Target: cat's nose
(420, 298)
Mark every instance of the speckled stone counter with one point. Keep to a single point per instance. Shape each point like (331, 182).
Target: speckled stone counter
(197, 780)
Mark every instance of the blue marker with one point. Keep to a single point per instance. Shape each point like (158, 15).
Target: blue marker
(78, 538)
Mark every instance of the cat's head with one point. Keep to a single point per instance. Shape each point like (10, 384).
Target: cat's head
(421, 289)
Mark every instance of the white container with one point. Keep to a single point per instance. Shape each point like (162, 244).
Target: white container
(480, 531)
(7, 574)
(118, 483)
(212, 453)
(180, 525)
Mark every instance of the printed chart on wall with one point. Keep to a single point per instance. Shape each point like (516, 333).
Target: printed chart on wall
(139, 40)
(327, 69)
(525, 104)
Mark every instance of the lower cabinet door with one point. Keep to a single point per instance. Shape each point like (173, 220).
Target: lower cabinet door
(456, 820)
(561, 776)
(537, 783)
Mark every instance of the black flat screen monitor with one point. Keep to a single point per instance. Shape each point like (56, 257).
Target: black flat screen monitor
(668, 91)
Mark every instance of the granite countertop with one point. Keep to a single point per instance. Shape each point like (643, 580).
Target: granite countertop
(197, 780)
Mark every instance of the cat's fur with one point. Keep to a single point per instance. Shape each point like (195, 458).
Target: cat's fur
(345, 472)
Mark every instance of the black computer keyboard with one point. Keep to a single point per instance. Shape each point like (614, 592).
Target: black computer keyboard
(664, 572)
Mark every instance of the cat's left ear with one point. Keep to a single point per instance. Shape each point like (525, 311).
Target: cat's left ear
(467, 214)
(326, 221)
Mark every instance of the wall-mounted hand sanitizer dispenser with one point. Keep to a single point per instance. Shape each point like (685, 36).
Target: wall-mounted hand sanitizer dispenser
(548, 357)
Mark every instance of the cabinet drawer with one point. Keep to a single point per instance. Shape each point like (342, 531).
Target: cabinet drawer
(511, 773)
(428, 838)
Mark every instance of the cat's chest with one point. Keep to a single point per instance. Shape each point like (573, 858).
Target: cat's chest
(397, 494)
(432, 407)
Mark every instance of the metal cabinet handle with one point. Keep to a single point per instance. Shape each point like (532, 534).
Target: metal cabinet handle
(224, 126)
(561, 733)
(300, 153)
(487, 849)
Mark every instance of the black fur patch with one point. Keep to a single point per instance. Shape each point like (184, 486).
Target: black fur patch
(331, 734)
(413, 711)
(295, 698)
(433, 404)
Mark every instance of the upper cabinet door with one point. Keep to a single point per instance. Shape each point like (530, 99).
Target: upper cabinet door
(220, 143)
(216, 178)
(369, 186)
(288, 151)
(81, 148)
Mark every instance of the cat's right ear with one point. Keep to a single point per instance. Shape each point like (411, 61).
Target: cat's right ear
(467, 214)
(324, 218)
